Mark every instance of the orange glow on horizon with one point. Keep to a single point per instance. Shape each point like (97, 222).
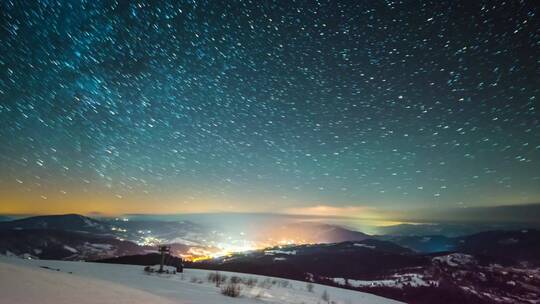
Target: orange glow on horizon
(17, 201)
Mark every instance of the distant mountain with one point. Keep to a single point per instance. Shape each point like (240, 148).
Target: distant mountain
(443, 229)
(389, 270)
(509, 247)
(357, 260)
(451, 229)
(5, 218)
(424, 244)
(52, 232)
(143, 259)
(310, 232)
(324, 233)
(511, 216)
(64, 245)
(184, 232)
(66, 222)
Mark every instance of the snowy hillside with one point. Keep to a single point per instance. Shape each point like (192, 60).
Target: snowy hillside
(58, 282)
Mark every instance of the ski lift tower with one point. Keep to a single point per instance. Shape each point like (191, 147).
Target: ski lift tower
(163, 249)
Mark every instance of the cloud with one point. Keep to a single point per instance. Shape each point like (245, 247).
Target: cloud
(325, 210)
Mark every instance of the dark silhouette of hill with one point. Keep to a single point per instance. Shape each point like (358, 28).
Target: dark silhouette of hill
(67, 222)
(508, 247)
(63, 245)
(356, 260)
(143, 260)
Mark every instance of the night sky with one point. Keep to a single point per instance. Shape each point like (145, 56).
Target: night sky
(343, 107)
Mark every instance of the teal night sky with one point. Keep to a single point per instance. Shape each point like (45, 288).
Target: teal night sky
(268, 106)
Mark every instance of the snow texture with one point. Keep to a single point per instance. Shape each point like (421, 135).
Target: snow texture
(455, 259)
(396, 281)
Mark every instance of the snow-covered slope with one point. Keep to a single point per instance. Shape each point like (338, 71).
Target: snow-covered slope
(59, 282)
(22, 285)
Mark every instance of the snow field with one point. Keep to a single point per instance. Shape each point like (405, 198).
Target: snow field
(26, 281)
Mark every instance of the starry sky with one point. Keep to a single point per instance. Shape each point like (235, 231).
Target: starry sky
(304, 107)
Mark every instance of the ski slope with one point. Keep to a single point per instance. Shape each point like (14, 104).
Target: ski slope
(61, 282)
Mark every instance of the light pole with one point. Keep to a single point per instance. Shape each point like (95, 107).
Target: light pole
(163, 249)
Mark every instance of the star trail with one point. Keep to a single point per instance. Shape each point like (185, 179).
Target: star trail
(268, 106)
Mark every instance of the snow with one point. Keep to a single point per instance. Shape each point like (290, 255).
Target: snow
(455, 259)
(98, 247)
(362, 283)
(25, 285)
(26, 281)
(101, 246)
(364, 246)
(397, 281)
(71, 249)
(509, 241)
(273, 252)
(167, 269)
(88, 222)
